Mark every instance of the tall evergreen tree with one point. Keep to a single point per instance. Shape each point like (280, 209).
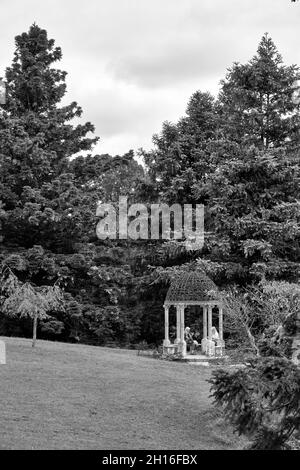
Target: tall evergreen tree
(182, 153)
(239, 157)
(37, 136)
(258, 99)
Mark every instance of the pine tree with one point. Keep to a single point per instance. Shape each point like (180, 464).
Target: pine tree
(254, 194)
(239, 157)
(182, 153)
(37, 136)
(258, 102)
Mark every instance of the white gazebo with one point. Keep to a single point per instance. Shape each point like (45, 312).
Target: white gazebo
(194, 288)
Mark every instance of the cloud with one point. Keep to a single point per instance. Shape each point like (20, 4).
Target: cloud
(172, 66)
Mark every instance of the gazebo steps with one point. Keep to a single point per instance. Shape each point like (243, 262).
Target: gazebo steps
(201, 358)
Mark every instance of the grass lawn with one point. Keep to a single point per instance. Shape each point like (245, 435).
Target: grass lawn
(64, 396)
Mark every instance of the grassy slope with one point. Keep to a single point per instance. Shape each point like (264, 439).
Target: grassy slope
(62, 396)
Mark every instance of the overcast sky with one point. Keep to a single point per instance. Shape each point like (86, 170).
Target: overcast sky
(133, 64)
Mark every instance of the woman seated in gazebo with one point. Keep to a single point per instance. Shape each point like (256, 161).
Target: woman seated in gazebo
(191, 343)
(215, 335)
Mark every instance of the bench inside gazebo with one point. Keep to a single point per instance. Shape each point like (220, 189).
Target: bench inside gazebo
(194, 289)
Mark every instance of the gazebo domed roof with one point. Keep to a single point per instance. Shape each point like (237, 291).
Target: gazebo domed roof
(192, 288)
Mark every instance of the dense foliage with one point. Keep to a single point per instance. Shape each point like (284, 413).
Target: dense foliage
(237, 154)
(262, 400)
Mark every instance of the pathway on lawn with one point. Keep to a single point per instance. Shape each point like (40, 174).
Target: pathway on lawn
(63, 396)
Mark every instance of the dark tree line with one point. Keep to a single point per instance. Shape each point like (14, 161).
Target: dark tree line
(237, 154)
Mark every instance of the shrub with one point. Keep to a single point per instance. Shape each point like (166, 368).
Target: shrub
(262, 400)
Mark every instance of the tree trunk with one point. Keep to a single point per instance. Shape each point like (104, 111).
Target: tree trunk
(34, 331)
(295, 348)
(291, 336)
(252, 341)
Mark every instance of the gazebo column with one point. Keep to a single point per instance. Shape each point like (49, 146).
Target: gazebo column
(182, 340)
(220, 346)
(221, 323)
(209, 322)
(178, 310)
(204, 339)
(205, 322)
(166, 340)
(210, 345)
